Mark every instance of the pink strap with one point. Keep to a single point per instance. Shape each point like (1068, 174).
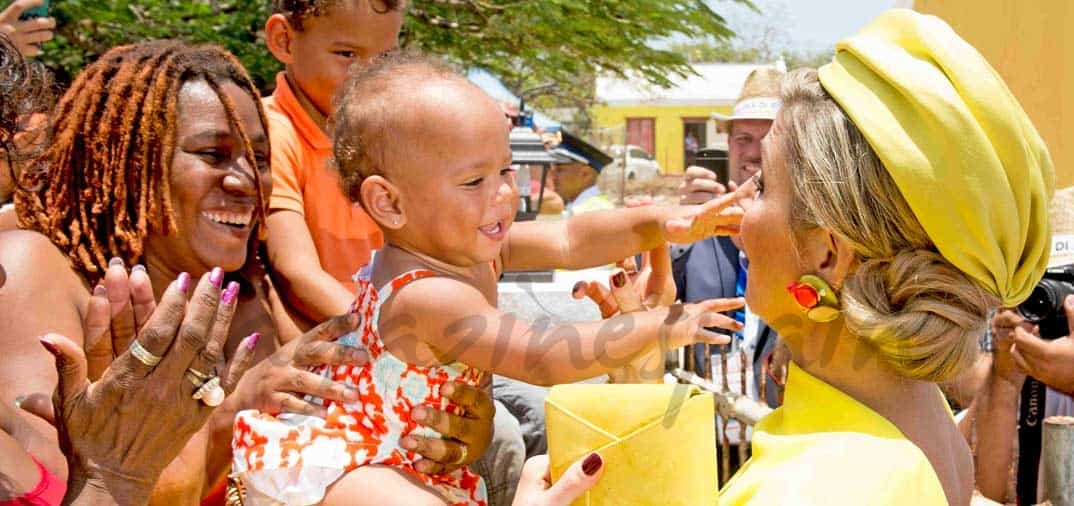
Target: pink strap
(48, 492)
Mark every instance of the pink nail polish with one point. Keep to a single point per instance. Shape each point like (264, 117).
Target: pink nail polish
(230, 293)
(217, 277)
(100, 291)
(184, 282)
(251, 342)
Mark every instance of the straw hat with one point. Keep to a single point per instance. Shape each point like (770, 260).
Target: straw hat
(1061, 214)
(759, 98)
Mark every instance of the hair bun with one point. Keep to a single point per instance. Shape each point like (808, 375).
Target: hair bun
(921, 313)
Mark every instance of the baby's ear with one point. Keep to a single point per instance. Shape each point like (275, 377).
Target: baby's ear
(380, 198)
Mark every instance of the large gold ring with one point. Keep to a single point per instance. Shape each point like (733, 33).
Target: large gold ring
(210, 392)
(143, 355)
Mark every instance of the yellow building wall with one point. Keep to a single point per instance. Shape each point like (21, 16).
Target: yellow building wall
(1031, 44)
(667, 128)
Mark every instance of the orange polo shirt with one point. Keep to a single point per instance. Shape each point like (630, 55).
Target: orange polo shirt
(304, 182)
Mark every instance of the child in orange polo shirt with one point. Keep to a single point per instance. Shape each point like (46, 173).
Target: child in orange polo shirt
(317, 239)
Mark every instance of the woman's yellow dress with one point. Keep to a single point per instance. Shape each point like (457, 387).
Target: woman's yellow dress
(823, 447)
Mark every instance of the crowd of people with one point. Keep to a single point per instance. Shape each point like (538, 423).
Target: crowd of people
(182, 321)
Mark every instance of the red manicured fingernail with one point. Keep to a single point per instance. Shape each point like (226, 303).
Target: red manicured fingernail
(184, 282)
(592, 464)
(100, 291)
(619, 280)
(49, 345)
(251, 342)
(230, 293)
(578, 287)
(217, 277)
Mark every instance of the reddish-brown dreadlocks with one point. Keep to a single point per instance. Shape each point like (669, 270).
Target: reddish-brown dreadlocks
(106, 182)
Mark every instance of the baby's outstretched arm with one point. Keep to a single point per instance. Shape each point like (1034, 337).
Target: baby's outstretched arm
(455, 319)
(602, 237)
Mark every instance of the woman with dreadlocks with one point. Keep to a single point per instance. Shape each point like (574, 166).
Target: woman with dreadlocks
(101, 441)
(158, 157)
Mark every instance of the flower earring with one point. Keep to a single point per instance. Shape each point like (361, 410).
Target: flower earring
(816, 297)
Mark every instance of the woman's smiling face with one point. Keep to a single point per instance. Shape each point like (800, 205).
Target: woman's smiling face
(213, 190)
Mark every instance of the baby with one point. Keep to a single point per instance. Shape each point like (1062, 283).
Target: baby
(426, 154)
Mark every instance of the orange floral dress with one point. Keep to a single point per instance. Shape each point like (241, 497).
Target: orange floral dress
(292, 459)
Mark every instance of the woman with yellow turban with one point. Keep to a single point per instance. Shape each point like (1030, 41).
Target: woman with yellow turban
(904, 194)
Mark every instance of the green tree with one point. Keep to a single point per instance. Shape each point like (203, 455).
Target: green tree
(88, 28)
(523, 41)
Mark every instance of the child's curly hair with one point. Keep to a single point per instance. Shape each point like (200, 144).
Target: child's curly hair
(299, 10)
(26, 87)
(366, 120)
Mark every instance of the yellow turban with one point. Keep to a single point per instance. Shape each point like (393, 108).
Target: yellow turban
(963, 153)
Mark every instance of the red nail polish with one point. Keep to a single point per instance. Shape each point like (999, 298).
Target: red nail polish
(251, 342)
(230, 293)
(184, 282)
(592, 464)
(217, 277)
(619, 279)
(49, 345)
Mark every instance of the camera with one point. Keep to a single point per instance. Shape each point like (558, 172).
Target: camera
(714, 160)
(1044, 306)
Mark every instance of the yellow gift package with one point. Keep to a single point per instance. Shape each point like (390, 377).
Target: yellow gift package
(658, 442)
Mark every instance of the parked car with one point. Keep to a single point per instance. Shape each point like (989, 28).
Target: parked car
(640, 165)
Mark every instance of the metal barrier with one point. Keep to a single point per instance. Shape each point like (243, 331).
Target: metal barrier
(729, 405)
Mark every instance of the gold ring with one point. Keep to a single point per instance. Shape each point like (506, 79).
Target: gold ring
(197, 378)
(462, 456)
(143, 355)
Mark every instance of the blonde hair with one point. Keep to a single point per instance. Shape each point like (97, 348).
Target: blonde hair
(923, 315)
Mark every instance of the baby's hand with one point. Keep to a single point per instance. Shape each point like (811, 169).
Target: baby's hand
(719, 216)
(689, 323)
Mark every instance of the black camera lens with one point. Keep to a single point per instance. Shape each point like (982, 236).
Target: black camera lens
(1044, 302)
(1044, 306)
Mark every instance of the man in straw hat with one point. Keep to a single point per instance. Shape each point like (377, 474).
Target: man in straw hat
(747, 124)
(1019, 353)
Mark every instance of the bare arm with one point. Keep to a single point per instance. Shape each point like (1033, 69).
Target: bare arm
(294, 256)
(40, 296)
(996, 412)
(995, 409)
(459, 324)
(603, 237)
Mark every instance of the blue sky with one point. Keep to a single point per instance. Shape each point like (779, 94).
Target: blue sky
(801, 25)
